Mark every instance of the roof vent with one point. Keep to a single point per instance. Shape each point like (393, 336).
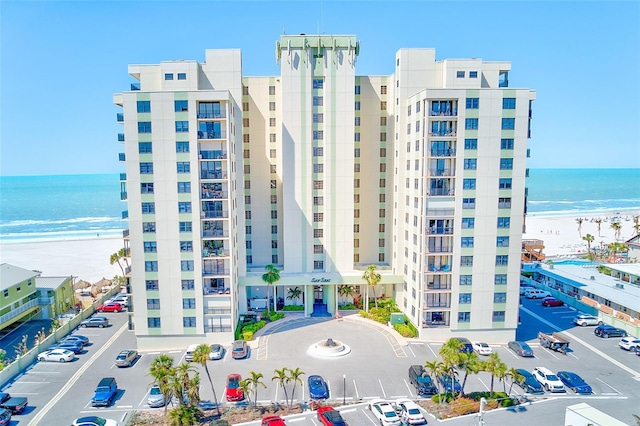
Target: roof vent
(593, 278)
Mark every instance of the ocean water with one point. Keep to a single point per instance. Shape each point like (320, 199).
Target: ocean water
(45, 208)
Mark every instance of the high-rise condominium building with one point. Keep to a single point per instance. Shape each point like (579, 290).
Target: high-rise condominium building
(321, 173)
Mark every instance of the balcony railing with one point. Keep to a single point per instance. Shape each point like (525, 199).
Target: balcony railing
(438, 268)
(17, 311)
(120, 117)
(440, 248)
(135, 86)
(443, 152)
(212, 155)
(212, 114)
(436, 305)
(125, 214)
(46, 301)
(440, 191)
(444, 133)
(440, 230)
(212, 135)
(215, 271)
(215, 252)
(440, 212)
(123, 176)
(125, 233)
(217, 328)
(212, 233)
(120, 137)
(438, 286)
(214, 195)
(214, 214)
(214, 291)
(123, 195)
(451, 113)
(442, 172)
(213, 175)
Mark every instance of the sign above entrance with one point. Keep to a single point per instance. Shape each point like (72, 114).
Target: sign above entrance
(320, 280)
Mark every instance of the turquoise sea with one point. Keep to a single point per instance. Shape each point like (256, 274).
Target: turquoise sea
(58, 207)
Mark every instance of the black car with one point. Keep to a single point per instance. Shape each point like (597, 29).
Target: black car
(528, 382)
(607, 331)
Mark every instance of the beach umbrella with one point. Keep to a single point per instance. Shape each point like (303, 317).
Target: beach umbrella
(81, 284)
(102, 283)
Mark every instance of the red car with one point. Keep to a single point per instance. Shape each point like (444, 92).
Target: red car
(273, 421)
(233, 392)
(111, 307)
(330, 417)
(550, 301)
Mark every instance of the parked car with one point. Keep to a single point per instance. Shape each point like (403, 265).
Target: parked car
(15, 404)
(520, 348)
(75, 347)
(216, 351)
(422, 381)
(233, 392)
(239, 349)
(126, 358)
(528, 382)
(94, 421)
(328, 416)
(524, 289)
(550, 381)
(534, 293)
(318, 388)
(5, 417)
(465, 344)
(574, 382)
(156, 398)
(110, 307)
(60, 355)
(607, 331)
(629, 344)
(482, 348)
(272, 421)
(384, 412)
(100, 322)
(552, 301)
(188, 355)
(409, 412)
(77, 338)
(105, 392)
(121, 299)
(584, 320)
(450, 384)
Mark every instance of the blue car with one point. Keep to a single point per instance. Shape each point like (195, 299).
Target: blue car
(75, 347)
(446, 380)
(318, 388)
(574, 382)
(528, 382)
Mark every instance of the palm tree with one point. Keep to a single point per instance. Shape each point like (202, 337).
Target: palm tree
(515, 377)
(282, 378)
(580, 220)
(494, 366)
(115, 258)
(472, 365)
(599, 223)
(245, 386)
(636, 227)
(589, 239)
(163, 371)
(616, 248)
(254, 381)
(451, 356)
(346, 290)
(617, 227)
(270, 277)
(372, 278)
(294, 293)
(182, 382)
(435, 368)
(201, 356)
(294, 376)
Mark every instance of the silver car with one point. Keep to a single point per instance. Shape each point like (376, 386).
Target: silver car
(156, 398)
(126, 358)
(584, 320)
(216, 352)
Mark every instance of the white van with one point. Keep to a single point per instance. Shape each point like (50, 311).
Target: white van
(189, 355)
(534, 293)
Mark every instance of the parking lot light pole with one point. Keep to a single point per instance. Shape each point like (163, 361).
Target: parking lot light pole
(344, 389)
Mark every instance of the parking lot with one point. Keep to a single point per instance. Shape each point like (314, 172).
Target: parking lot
(376, 368)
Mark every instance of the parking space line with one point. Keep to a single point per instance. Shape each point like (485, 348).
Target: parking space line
(483, 384)
(355, 386)
(607, 384)
(432, 351)
(549, 352)
(409, 388)
(411, 350)
(382, 388)
(573, 355)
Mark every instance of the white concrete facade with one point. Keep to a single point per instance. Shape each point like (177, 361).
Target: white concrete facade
(321, 173)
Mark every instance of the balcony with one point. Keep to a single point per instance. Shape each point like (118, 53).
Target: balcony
(440, 192)
(432, 267)
(438, 286)
(215, 271)
(123, 196)
(212, 114)
(442, 172)
(440, 230)
(212, 135)
(213, 175)
(214, 214)
(215, 291)
(445, 248)
(123, 176)
(19, 310)
(215, 252)
(450, 152)
(212, 233)
(212, 155)
(120, 137)
(440, 212)
(125, 233)
(214, 195)
(135, 87)
(444, 133)
(120, 117)
(436, 305)
(121, 156)
(125, 214)
(44, 301)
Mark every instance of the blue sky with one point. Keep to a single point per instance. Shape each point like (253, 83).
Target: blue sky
(61, 62)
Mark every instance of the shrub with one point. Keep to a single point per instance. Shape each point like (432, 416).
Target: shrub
(348, 307)
(247, 335)
(276, 316)
(446, 397)
(293, 308)
(405, 330)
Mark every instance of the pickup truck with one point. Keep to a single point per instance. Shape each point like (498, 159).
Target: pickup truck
(15, 404)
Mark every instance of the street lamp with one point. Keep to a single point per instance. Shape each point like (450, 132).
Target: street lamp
(344, 389)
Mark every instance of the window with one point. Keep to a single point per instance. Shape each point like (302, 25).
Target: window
(148, 208)
(318, 168)
(184, 207)
(318, 201)
(473, 74)
(274, 199)
(318, 134)
(409, 110)
(274, 214)
(318, 152)
(356, 152)
(471, 144)
(471, 123)
(466, 260)
(357, 91)
(500, 279)
(502, 242)
(272, 107)
(468, 203)
(188, 303)
(245, 90)
(383, 121)
(383, 105)
(247, 229)
(356, 121)
(504, 183)
(184, 187)
(272, 122)
(506, 143)
(180, 106)
(185, 227)
(274, 229)
(144, 106)
(357, 106)
(504, 203)
(272, 153)
(188, 284)
(508, 123)
(272, 90)
(466, 242)
(470, 163)
(182, 126)
(464, 316)
(186, 265)
(318, 83)
(151, 266)
(468, 222)
(249, 259)
(186, 245)
(153, 322)
(356, 137)
(464, 298)
(460, 74)
(504, 222)
(319, 233)
(472, 103)
(144, 127)
(184, 167)
(509, 103)
(182, 146)
(318, 265)
(150, 247)
(274, 244)
(168, 76)
(144, 148)
(318, 101)
(383, 136)
(146, 188)
(469, 184)
(502, 260)
(506, 164)
(318, 118)
(466, 279)
(498, 316)
(188, 321)
(182, 76)
(146, 168)
(383, 89)
(151, 285)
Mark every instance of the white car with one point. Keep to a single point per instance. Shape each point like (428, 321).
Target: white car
(584, 320)
(94, 421)
(123, 300)
(384, 412)
(482, 348)
(534, 293)
(629, 344)
(60, 355)
(550, 381)
(410, 412)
